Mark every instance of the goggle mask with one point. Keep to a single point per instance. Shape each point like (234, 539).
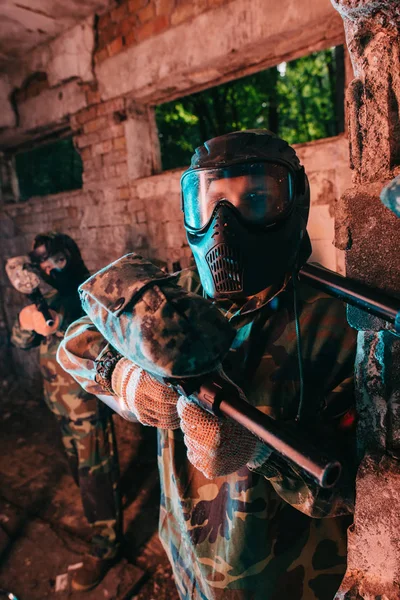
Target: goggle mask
(261, 193)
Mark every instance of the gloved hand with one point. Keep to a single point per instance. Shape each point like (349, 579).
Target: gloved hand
(152, 402)
(215, 446)
(31, 319)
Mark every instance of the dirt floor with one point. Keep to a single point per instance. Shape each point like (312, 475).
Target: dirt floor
(43, 533)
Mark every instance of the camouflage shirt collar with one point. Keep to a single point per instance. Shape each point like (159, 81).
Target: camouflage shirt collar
(251, 305)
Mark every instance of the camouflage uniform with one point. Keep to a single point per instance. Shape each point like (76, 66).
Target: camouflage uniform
(87, 433)
(249, 535)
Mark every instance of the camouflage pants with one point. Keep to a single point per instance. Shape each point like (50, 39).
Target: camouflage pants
(89, 440)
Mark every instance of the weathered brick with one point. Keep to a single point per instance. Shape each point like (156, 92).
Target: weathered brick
(116, 46)
(110, 106)
(151, 28)
(82, 141)
(122, 170)
(113, 158)
(73, 121)
(119, 13)
(108, 35)
(147, 13)
(141, 216)
(101, 55)
(90, 175)
(124, 193)
(72, 212)
(102, 147)
(164, 7)
(94, 163)
(104, 21)
(95, 125)
(86, 115)
(119, 143)
(109, 171)
(112, 131)
(187, 10)
(93, 97)
(128, 25)
(86, 153)
(135, 5)
(161, 23)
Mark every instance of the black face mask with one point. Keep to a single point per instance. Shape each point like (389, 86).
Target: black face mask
(235, 258)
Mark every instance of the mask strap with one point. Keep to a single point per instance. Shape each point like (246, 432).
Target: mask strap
(299, 346)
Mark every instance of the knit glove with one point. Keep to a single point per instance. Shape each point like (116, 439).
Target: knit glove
(218, 446)
(152, 402)
(31, 319)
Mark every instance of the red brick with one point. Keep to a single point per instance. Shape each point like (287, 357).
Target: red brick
(113, 131)
(93, 97)
(82, 141)
(99, 123)
(215, 3)
(86, 153)
(90, 175)
(185, 11)
(121, 169)
(161, 23)
(110, 106)
(135, 5)
(119, 143)
(116, 46)
(109, 172)
(108, 35)
(102, 147)
(113, 158)
(119, 13)
(73, 121)
(164, 7)
(104, 21)
(130, 38)
(152, 28)
(124, 193)
(147, 13)
(128, 25)
(145, 31)
(86, 115)
(101, 55)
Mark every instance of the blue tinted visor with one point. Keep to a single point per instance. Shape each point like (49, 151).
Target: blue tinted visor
(263, 193)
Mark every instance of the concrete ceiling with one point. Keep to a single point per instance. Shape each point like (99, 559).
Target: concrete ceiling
(24, 24)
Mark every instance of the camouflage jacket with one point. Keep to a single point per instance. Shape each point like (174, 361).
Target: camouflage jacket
(63, 396)
(249, 536)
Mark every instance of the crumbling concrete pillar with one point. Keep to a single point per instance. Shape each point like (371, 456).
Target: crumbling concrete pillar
(370, 233)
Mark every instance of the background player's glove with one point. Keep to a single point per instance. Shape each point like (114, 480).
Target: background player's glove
(31, 319)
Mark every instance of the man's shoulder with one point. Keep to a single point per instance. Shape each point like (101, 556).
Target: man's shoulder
(189, 280)
(117, 284)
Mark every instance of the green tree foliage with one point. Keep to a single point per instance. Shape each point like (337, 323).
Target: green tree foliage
(301, 101)
(49, 169)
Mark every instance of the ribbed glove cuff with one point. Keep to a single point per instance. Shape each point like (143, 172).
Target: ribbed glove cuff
(260, 456)
(120, 376)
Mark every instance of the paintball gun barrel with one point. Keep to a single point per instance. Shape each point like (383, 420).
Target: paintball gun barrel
(353, 292)
(216, 395)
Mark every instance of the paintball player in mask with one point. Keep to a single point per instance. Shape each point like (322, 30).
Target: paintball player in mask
(236, 520)
(86, 424)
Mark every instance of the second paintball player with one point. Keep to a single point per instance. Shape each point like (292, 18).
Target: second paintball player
(237, 522)
(86, 424)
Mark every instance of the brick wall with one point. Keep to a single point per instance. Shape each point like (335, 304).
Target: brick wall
(134, 21)
(126, 203)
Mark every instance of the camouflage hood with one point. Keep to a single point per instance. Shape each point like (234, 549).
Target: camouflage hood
(155, 323)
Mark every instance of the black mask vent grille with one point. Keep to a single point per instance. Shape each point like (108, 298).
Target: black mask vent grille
(226, 266)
